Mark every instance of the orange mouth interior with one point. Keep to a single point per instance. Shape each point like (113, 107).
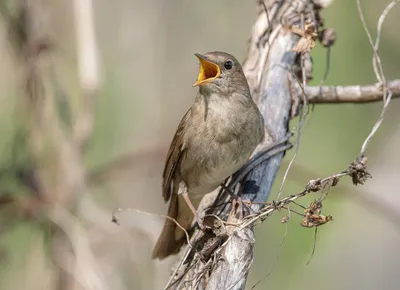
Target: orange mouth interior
(209, 71)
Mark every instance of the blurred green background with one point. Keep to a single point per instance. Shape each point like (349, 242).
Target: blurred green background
(147, 70)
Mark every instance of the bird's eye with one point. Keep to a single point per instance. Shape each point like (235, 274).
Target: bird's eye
(228, 64)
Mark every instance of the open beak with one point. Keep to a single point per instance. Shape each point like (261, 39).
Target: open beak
(209, 71)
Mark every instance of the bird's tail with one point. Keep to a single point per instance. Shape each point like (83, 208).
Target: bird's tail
(172, 237)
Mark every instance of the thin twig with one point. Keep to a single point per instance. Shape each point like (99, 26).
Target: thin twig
(364, 198)
(269, 29)
(268, 210)
(278, 251)
(302, 118)
(328, 66)
(115, 220)
(379, 30)
(171, 280)
(379, 74)
(387, 95)
(293, 211)
(314, 245)
(260, 157)
(266, 154)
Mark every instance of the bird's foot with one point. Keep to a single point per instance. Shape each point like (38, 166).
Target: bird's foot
(200, 223)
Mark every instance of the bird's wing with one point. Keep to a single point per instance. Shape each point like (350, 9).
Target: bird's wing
(175, 151)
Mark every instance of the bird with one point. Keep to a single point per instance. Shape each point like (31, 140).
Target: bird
(214, 139)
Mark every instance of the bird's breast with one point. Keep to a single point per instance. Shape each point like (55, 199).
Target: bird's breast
(220, 144)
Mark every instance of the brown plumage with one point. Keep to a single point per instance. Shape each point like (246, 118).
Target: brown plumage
(214, 139)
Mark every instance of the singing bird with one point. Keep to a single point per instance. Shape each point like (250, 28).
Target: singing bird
(214, 139)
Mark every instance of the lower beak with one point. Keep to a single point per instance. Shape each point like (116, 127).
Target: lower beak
(209, 71)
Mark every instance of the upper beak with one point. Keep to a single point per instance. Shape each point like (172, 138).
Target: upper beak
(208, 71)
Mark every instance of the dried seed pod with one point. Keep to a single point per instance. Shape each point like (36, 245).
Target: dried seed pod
(327, 37)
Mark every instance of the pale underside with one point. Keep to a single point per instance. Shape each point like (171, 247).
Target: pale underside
(214, 152)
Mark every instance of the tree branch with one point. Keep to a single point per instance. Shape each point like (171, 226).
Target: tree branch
(350, 94)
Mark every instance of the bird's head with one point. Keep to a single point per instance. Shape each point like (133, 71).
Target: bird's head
(220, 72)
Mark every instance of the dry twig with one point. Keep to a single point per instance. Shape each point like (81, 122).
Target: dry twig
(114, 219)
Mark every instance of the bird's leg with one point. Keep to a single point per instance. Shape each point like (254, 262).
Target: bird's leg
(194, 211)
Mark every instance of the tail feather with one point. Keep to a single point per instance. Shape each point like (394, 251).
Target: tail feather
(172, 237)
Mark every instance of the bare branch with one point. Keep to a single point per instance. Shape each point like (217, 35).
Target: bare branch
(350, 94)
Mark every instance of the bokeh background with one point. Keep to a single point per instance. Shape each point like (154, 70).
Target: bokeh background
(147, 68)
